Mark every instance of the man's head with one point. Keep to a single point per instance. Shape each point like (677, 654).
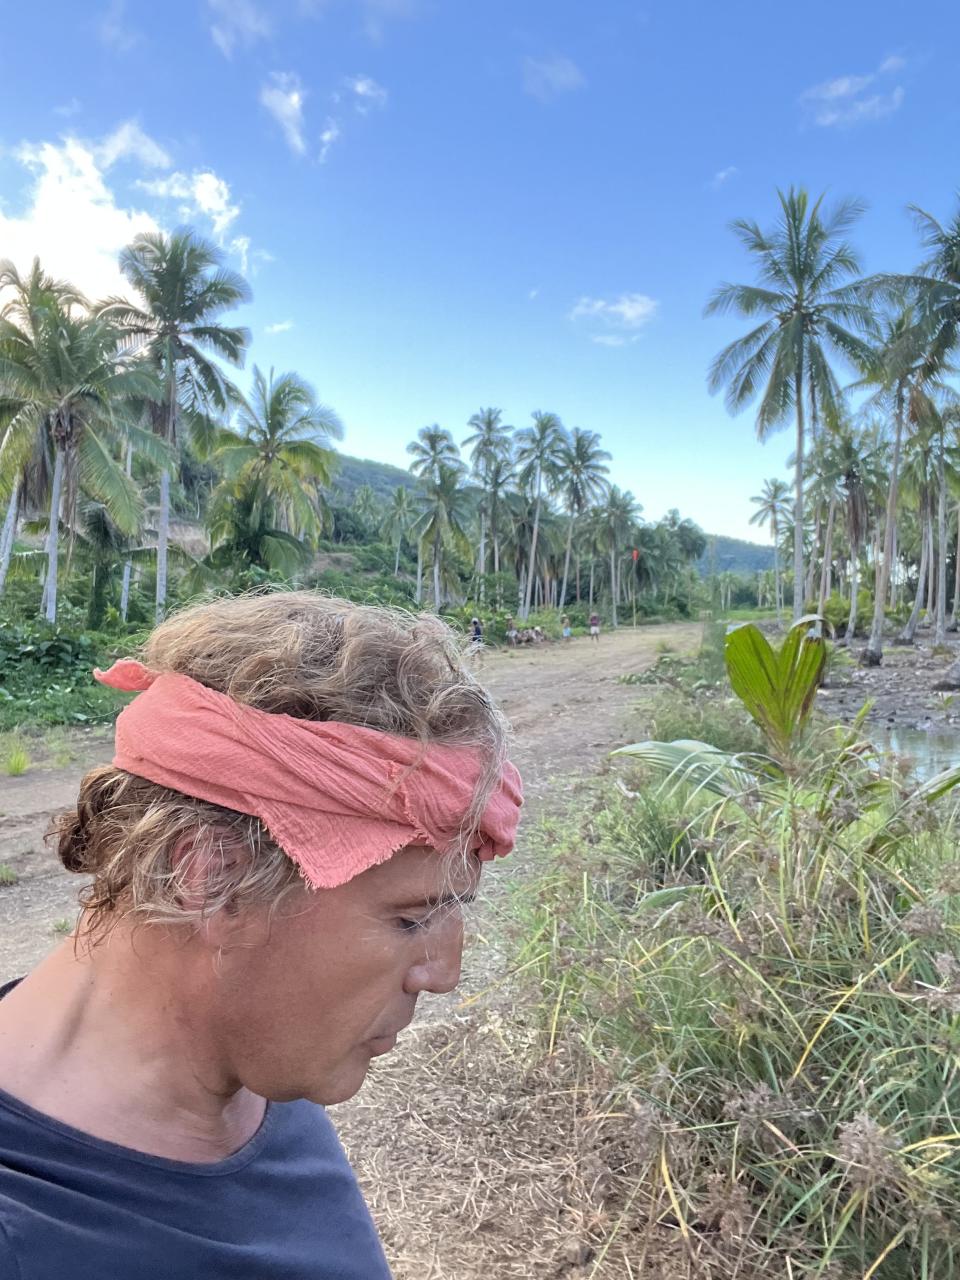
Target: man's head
(297, 988)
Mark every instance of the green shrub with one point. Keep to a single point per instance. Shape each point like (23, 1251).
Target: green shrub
(837, 612)
(15, 758)
(770, 982)
(720, 721)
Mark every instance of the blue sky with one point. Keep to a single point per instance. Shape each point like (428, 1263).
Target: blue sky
(442, 205)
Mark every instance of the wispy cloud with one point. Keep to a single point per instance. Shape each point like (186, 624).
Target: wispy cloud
(614, 339)
(374, 14)
(201, 192)
(546, 78)
(629, 311)
(367, 93)
(67, 109)
(282, 326)
(129, 142)
(330, 135)
(855, 99)
(283, 97)
(236, 22)
(114, 30)
(723, 176)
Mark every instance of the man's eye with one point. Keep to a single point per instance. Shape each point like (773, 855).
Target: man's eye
(410, 926)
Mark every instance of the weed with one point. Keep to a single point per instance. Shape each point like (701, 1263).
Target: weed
(8, 876)
(16, 758)
(63, 926)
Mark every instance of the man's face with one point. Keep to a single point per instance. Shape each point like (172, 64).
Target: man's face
(301, 1014)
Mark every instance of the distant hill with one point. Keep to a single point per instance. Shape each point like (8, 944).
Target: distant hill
(734, 555)
(382, 478)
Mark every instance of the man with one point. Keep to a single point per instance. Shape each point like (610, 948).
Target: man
(303, 794)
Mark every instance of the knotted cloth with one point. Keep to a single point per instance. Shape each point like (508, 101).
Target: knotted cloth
(337, 798)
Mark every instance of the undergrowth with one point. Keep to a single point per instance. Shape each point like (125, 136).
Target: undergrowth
(771, 979)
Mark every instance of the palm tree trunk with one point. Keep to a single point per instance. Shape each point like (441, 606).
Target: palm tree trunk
(419, 595)
(931, 575)
(578, 578)
(566, 562)
(873, 653)
(396, 560)
(128, 564)
(798, 504)
(940, 631)
(814, 554)
(827, 555)
(854, 591)
(8, 535)
(910, 630)
(956, 578)
(53, 537)
(777, 584)
(533, 552)
(591, 581)
(436, 572)
(163, 534)
(613, 586)
(482, 555)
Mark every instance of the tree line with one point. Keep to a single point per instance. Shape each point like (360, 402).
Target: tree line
(117, 415)
(875, 461)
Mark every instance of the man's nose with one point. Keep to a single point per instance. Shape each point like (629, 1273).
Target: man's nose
(439, 970)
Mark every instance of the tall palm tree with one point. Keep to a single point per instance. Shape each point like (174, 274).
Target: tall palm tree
(771, 510)
(618, 517)
(281, 450)
(183, 290)
(441, 523)
(433, 449)
(77, 390)
(397, 521)
(538, 452)
(582, 474)
(489, 446)
(810, 312)
(901, 376)
(860, 467)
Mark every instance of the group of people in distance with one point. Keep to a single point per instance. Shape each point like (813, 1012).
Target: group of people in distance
(534, 635)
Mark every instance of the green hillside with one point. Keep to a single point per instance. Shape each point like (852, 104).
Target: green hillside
(735, 555)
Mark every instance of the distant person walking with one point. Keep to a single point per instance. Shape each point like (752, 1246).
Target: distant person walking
(567, 630)
(595, 628)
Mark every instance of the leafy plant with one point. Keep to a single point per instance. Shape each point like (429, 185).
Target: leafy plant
(777, 688)
(16, 759)
(8, 876)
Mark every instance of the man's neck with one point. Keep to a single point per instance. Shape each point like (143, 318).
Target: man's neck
(87, 1040)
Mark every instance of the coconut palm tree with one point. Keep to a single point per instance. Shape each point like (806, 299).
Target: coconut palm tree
(538, 453)
(433, 449)
(281, 450)
(183, 290)
(771, 510)
(77, 392)
(582, 482)
(441, 523)
(618, 517)
(397, 521)
(489, 446)
(811, 311)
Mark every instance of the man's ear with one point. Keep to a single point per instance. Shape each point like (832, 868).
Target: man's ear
(204, 868)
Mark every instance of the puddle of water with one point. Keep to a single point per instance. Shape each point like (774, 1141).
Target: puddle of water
(929, 751)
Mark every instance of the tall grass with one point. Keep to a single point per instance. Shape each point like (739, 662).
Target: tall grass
(771, 980)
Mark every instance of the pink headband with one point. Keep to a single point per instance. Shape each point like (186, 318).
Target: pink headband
(337, 798)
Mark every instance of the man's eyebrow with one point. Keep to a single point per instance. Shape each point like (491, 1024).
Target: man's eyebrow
(433, 904)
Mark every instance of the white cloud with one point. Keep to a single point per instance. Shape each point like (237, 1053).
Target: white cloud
(546, 78)
(113, 29)
(330, 135)
(71, 219)
(629, 311)
(67, 109)
(724, 175)
(236, 22)
(202, 192)
(845, 101)
(284, 97)
(613, 339)
(283, 326)
(129, 142)
(367, 93)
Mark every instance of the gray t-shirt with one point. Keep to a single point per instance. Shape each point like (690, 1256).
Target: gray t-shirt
(286, 1206)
